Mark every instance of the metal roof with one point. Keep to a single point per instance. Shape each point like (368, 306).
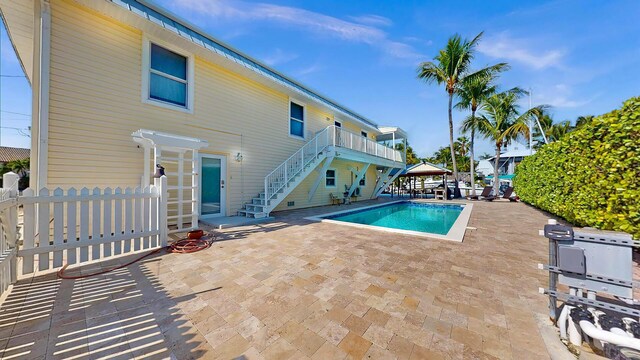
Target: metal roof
(11, 153)
(181, 27)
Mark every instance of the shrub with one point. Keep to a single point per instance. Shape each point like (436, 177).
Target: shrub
(591, 176)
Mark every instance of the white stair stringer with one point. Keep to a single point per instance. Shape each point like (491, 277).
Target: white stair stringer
(259, 207)
(288, 175)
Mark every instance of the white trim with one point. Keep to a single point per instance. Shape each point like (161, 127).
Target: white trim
(335, 179)
(455, 233)
(44, 62)
(304, 118)
(146, 70)
(223, 191)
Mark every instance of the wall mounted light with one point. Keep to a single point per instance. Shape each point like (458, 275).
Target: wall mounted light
(239, 157)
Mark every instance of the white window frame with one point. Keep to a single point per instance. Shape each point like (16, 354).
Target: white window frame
(335, 179)
(146, 70)
(304, 120)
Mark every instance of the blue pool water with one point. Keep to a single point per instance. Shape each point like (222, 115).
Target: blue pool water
(430, 218)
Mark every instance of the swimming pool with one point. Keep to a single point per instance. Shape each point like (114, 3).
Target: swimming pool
(439, 220)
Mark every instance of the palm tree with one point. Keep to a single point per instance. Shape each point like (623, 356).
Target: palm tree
(462, 146)
(453, 65)
(501, 122)
(558, 130)
(472, 91)
(543, 126)
(581, 120)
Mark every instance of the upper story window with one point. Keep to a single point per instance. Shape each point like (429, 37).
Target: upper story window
(337, 123)
(296, 119)
(364, 133)
(168, 76)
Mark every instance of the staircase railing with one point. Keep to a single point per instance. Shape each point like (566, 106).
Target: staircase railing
(330, 136)
(280, 176)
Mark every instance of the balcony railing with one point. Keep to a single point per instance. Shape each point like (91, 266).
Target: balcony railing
(349, 140)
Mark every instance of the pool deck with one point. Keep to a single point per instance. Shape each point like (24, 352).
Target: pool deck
(297, 289)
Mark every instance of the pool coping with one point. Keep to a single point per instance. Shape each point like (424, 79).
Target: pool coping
(455, 233)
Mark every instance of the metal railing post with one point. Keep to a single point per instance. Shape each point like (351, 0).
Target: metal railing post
(266, 190)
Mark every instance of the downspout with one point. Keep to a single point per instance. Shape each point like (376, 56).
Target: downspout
(40, 92)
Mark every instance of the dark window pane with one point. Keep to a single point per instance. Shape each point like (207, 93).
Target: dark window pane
(331, 182)
(168, 62)
(297, 111)
(331, 173)
(297, 128)
(162, 88)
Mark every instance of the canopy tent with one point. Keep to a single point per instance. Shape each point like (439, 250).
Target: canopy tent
(424, 169)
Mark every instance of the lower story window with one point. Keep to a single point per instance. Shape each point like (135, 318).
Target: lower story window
(330, 178)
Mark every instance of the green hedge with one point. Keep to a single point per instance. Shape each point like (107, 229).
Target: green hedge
(590, 177)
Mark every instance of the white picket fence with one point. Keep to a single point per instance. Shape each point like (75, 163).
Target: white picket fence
(89, 225)
(8, 238)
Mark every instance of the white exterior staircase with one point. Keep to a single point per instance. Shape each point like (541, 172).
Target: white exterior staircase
(287, 176)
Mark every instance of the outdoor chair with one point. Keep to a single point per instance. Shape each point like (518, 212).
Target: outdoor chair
(507, 195)
(486, 192)
(335, 200)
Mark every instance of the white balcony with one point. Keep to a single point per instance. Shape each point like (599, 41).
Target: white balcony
(345, 139)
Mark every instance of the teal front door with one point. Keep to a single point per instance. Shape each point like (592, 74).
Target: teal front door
(212, 185)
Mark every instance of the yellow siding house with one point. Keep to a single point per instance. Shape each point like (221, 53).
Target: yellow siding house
(121, 85)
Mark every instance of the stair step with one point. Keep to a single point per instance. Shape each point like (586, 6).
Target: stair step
(254, 207)
(252, 214)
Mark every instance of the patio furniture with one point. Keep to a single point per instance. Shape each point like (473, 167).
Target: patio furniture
(355, 195)
(335, 200)
(486, 192)
(345, 198)
(439, 194)
(507, 195)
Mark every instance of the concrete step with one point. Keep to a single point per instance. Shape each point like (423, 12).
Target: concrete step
(253, 207)
(252, 214)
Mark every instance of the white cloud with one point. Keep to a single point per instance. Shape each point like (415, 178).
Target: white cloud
(279, 56)
(309, 69)
(503, 46)
(373, 20)
(306, 20)
(559, 96)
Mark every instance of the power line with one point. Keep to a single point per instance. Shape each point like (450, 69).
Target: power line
(15, 113)
(12, 76)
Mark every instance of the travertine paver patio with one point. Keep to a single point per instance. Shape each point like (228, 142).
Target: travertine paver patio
(297, 289)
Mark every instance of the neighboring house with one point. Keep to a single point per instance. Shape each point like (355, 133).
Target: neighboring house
(12, 153)
(120, 85)
(509, 159)
(485, 167)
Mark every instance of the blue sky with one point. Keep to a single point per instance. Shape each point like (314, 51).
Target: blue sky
(580, 57)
